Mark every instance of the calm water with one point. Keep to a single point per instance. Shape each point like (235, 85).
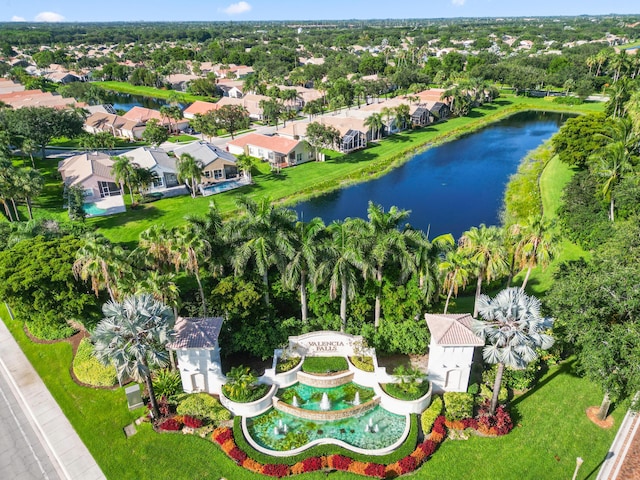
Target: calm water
(451, 187)
(126, 101)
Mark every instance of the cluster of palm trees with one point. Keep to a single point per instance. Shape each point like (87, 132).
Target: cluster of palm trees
(268, 242)
(467, 94)
(617, 65)
(132, 175)
(16, 185)
(376, 121)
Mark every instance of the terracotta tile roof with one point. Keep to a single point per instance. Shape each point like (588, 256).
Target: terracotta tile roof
(141, 114)
(452, 329)
(275, 144)
(105, 121)
(196, 332)
(74, 170)
(200, 107)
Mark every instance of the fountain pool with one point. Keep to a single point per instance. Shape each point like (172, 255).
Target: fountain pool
(340, 398)
(375, 430)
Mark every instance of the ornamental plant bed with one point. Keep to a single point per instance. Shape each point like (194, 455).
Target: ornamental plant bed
(324, 365)
(287, 364)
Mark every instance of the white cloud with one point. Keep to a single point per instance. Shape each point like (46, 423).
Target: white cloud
(49, 17)
(16, 18)
(458, 3)
(237, 8)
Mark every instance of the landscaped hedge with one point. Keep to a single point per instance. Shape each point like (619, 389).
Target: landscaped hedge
(363, 363)
(402, 391)
(430, 414)
(88, 369)
(203, 405)
(458, 405)
(322, 450)
(286, 364)
(324, 364)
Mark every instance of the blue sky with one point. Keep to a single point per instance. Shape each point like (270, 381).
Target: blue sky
(216, 10)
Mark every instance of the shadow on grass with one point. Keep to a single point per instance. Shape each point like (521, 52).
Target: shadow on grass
(565, 368)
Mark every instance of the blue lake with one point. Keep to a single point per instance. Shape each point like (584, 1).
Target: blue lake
(448, 188)
(126, 101)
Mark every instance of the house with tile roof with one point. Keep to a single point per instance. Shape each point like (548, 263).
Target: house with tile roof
(199, 108)
(250, 101)
(163, 165)
(219, 165)
(92, 171)
(452, 350)
(196, 347)
(280, 152)
(354, 135)
(114, 124)
(143, 115)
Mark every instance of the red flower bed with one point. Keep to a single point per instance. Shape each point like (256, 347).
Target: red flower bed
(238, 455)
(407, 464)
(340, 462)
(275, 470)
(171, 425)
(222, 435)
(311, 464)
(470, 423)
(375, 470)
(192, 422)
(428, 447)
(498, 424)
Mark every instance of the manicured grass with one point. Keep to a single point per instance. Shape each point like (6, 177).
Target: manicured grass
(552, 430)
(125, 87)
(182, 138)
(324, 364)
(292, 185)
(554, 178)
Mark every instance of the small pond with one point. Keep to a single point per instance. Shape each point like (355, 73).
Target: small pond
(448, 188)
(126, 101)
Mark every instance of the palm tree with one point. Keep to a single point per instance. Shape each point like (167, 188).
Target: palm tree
(427, 256)
(456, 269)
(245, 163)
(262, 235)
(403, 115)
(387, 113)
(189, 169)
(123, 171)
(343, 261)
(513, 327)
(133, 336)
(483, 246)
(375, 123)
(535, 246)
(189, 251)
(306, 241)
(156, 240)
(386, 244)
(613, 164)
(29, 147)
(210, 227)
(162, 287)
(99, 261)
(30, 183)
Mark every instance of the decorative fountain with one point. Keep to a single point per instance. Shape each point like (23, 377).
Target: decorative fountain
(325, 404)
(294, 401)
(356, 399)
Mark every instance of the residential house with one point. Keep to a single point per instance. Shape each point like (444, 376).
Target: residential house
(143, 115)
(250, 101)
(38, 98)
(163, 165)
(218, 164)
(115, 124)
(180, 81)
(9, 86)
(280, 152)
(229, 90)
(439, 110)
(421, 117)
(92, 172)
(199, 108)
(451, 351)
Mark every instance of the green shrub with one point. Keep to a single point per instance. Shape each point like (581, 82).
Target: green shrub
(254, 393)
(88, 369)
(473, 389)
(430, 414)
(324, 364)
(458, 405)
(44, 329)
(363, 363)
(284, 364)
(203, 405)
(167, 383)
(487, 393)
(400, 391)
(515, 379)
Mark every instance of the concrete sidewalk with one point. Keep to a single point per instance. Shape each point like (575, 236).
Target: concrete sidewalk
(68, 454)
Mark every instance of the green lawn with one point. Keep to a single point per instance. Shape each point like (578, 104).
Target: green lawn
(75, 143)
(314, 178)
(182, 138)
(125, 87)
(554, 178)
(552, 430)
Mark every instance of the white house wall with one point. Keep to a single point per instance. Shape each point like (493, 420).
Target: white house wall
(200, 370)
(449, 367)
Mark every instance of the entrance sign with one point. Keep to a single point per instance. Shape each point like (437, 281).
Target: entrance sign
(327, 344)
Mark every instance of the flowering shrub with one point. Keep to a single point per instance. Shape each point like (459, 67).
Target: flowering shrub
(375, 470)
(192, 422)
(275, 470)
(221, 435)
(428, 447)
(252, 465)
(498, 424)
(171, 424)
(238, 455)
(339, 462)
(407, 464)
(311, 464)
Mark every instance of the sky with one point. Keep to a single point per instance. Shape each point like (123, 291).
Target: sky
(238, 10)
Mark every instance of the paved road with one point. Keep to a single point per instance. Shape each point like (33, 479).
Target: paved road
(22, 455)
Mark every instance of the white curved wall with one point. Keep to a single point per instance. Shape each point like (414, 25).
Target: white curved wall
(403, 407)
(250, 409)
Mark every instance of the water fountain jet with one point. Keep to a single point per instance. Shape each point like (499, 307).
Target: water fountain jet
(325, 404)
(356, 399)
(294, 402)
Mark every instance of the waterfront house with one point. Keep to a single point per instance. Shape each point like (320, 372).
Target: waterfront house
(280, 152)
(218, 164)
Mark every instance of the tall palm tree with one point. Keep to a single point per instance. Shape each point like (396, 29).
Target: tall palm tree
(385, 245)
(427, 256)
(306, 240)
(261, 236)
(123, 171)
(613, 164)
(210, 227)
(514, 328)
(189, 169)
(99, 261)
(456, 269)
(375, 123)
(189, 251)
(535, 247)
(403, 115)
(30, 184)
(162, 287)
(29, 147)
(133, 336)
(484, 248)
(343, 261)
(156, 241)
